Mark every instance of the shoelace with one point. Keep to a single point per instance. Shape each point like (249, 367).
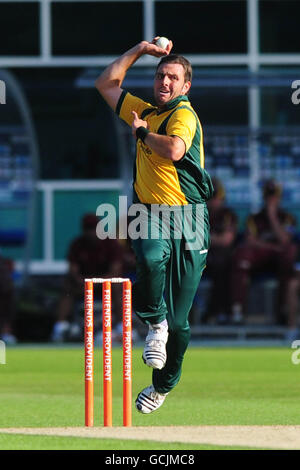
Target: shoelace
(154, 343)
(155, 397)
(156, 333)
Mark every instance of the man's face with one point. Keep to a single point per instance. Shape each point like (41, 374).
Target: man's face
(90, 233)
(272, 199)
(169, 83)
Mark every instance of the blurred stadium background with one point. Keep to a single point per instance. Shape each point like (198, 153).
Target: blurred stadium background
(62, 152)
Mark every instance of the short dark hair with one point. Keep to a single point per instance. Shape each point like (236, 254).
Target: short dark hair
(89, 222)
(271, 188)
(219, 190)
(178, 59)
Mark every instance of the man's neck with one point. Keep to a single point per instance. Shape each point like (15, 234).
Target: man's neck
(172, 103)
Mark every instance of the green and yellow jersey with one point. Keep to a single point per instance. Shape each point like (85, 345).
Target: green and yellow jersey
(157, 179)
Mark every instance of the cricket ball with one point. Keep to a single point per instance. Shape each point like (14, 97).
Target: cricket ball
(162, 42)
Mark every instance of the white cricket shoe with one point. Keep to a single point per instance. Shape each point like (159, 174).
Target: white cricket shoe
(155, 354)
(149, 400)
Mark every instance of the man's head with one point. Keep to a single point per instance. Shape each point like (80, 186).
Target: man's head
(271, 189)
(89, 223)
(173, 78)
(218, 196)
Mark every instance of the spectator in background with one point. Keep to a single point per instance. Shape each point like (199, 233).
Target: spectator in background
(293, 308)
(223, 233)
(88, 257)
(7, 301)
(128, 269)
(293, 331)
(268, 246)
(128, 255)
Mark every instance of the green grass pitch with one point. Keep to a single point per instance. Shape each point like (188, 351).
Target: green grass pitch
(44, 387)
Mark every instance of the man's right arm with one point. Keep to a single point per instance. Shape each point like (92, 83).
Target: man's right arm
(109, 83)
